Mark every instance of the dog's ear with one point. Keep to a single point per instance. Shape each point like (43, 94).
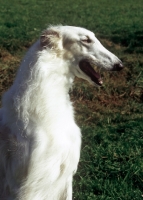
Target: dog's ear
(50, 38)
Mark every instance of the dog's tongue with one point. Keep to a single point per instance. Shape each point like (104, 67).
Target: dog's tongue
(89, 71)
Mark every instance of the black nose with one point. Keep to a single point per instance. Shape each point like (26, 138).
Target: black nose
(118, 66)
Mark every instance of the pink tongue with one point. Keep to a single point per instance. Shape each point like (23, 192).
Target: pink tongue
(89, 71)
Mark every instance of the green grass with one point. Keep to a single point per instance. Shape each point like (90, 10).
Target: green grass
(21, 21)
(111, 164)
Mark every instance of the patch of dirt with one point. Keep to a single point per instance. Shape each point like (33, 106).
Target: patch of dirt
(6, 57)
(111, 44)
(8, 67)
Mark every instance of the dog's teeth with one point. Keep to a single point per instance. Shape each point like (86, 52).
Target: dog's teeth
(94, 67)
(101, 82)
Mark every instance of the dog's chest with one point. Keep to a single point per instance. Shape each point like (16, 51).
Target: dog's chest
(68, 149)
(58, 152)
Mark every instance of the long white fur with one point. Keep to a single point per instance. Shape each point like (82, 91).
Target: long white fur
(39, 139)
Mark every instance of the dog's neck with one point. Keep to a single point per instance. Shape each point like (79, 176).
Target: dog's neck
(43, 93)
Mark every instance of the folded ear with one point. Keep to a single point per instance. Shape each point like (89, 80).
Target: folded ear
(50, 38)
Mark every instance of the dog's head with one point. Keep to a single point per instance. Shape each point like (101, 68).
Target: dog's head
(82, 51)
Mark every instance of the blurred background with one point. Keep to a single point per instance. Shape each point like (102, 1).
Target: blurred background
(111, 117)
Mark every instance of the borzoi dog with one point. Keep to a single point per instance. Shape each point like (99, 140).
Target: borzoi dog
(39, 139)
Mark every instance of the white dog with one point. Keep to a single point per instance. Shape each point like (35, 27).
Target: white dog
(39, 139)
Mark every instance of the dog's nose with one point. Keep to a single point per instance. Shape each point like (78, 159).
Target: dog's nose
(118, 66)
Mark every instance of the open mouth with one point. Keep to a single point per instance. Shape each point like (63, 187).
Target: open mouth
(87, 68)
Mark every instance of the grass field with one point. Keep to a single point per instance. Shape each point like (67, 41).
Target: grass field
(111, 117)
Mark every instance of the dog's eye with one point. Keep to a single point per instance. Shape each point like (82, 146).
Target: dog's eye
(86, 40)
